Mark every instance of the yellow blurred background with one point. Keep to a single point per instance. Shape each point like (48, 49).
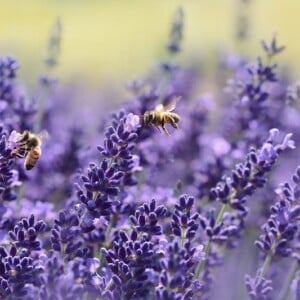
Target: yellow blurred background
(112, 40)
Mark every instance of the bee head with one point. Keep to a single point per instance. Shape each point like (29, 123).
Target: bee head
(148, 118)
(33, 142)
(25, 136)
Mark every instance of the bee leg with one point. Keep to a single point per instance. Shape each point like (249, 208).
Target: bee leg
(175, 125)
(165, 130)
(157, 128)
(17, 154)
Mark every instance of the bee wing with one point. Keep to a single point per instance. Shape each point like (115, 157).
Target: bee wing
(172, 104)
(159, 108)
(43, 135)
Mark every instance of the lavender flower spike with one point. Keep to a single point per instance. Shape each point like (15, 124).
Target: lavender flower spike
(271, 47)
(258, 288)
(278, 238)
(132, 123)
(288, 143)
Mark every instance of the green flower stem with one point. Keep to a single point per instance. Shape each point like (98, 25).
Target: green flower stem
(107, 233)
(109, 285)
(268, 258)
(53, 49)
(41, 101)
(201, 264)
(266, 263)
(183, 237)
(207, 248)
(221, 213)
(286, 287)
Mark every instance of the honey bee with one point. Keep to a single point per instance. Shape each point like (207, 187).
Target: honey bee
(162, 115)
(29, 146)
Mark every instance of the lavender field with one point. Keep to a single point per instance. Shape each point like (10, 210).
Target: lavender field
(166, 193)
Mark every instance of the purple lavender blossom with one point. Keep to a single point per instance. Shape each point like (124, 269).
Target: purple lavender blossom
(9, 175)
(278, 238)
(176, 33)
(17, 111)
(271, 47)
(258, 288)
(25, 233)
(109, 217)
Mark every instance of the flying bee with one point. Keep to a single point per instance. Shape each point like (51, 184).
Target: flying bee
(162, 115)
(29, 146)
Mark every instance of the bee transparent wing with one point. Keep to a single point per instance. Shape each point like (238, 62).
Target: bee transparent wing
(172, 104)
(169, 107)
(159, 108)
(43, 135)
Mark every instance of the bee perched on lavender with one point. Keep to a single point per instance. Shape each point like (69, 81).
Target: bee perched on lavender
(29, 146)
(162, 115)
